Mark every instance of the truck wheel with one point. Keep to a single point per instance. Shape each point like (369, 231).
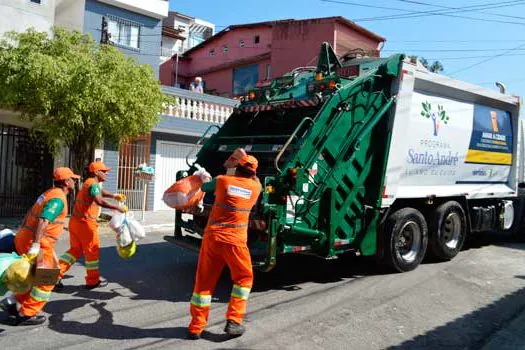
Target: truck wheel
(448, 230)
(406, 238)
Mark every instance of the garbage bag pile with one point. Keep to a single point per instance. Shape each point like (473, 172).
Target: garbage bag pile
(129, 231)
(186, 193)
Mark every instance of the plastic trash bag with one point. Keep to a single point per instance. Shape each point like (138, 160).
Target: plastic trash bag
(15, 273)
(135, 229)
(186, 193)
(7, 241)
(119, 224)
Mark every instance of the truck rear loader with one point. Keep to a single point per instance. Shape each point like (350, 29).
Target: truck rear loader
(371, 156)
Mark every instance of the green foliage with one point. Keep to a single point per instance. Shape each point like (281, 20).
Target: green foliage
(441, 113)
(76, 92)
(435, 67)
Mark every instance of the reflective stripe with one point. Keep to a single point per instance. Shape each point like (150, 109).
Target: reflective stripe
(201, 300)
(232, 208)
(39, 294)
(217, 223)
(240, 292)
(68, 258)
(92, 265)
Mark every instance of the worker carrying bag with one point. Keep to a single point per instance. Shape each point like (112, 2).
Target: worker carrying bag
(186, 193)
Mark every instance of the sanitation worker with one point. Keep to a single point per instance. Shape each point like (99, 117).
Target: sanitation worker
(41, 228)
(225, 243)
(83, 226)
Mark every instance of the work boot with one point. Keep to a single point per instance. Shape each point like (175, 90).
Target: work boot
(8, 306)
(193, 336)
(22, 320)
(93, 286)
(59, 285)
(234, 329)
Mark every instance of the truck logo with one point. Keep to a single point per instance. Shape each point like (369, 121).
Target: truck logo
(437, 117)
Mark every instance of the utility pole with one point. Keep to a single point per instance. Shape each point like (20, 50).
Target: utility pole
(176, 68)
(104, 37)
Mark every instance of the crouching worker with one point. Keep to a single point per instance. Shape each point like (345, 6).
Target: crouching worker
(41, 228)
(83, 225)
(225, 243)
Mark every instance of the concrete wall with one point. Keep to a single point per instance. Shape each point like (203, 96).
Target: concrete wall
(19, 15)
(150, 31)
(70, 14)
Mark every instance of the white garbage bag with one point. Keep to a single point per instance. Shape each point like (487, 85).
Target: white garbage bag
(136, 230)
(119, 224)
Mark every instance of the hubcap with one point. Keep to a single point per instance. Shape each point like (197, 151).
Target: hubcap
(451, 230)
(408, 242)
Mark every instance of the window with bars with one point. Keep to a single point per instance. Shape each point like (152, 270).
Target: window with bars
(124, 32)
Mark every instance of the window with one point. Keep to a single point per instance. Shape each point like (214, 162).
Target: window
(268, 71)
(256, 39)
(241, 43)
(123, 32)
(225, 48)
(245, 78)
(212, 52)
(36, 1)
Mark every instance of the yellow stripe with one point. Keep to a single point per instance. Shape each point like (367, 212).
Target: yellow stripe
(485, 157)
(39, 294)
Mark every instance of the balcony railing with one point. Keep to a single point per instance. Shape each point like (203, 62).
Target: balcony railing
(202, 107)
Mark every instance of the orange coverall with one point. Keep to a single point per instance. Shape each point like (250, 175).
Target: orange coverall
(33, 301)
(225, 243)
(83, 235)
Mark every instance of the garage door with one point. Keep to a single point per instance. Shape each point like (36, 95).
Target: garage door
(170, 158)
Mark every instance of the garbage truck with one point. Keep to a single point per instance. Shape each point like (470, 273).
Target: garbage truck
(369, 156)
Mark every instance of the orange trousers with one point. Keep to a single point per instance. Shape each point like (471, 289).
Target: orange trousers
(32, 302)
(212, 258)
(83, 239)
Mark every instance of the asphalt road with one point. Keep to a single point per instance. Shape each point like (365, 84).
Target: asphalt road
(475, 301)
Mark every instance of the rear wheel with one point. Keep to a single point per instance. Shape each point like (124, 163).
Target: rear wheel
(448, 230)
(406, 238)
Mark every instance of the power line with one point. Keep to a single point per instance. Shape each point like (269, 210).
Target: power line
(519, 47)
(446, 13)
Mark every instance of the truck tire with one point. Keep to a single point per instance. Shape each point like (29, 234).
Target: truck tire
(406, 239)
(448, 230)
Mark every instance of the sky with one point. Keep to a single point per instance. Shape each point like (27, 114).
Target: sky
(488, 46)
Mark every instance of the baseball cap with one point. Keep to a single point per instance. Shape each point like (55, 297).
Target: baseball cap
(64, 174)
(249, 162)
(96, 166)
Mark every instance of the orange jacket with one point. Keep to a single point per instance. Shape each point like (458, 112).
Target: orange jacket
(54, 229)
(85, 206)
(234, 199)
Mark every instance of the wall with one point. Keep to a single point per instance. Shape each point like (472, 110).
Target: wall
(150, 31)
(347, 39)
(70, 14)
(296, 44)
(151, 8)
(19, 15)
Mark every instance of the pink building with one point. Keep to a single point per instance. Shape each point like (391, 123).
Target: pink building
(235, 59)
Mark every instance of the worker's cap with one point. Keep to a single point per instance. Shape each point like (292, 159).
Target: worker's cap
(64, 174)
(249, 163)
(98, 166)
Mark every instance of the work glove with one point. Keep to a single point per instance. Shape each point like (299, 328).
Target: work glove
(33, 251)
(119, 197)
(124, 209)
(204, 175)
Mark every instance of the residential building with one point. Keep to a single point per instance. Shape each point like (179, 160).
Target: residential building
(236, 58)
(19, 15)
(181, 32)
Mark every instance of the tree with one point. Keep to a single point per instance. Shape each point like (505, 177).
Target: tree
(435, 67)
(76, 92)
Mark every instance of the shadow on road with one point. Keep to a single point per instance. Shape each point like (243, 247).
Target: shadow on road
(104, 327)
(473, 330)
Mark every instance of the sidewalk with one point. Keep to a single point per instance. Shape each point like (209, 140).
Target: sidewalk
(154, 221)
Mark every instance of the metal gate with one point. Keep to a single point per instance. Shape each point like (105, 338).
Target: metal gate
(26, 168)
(131, 155)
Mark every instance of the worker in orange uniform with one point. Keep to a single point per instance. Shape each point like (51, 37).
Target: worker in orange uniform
(41, 228)
(83, 226)
(225, 243)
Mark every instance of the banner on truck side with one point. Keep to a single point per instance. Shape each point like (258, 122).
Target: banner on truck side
(448, 142)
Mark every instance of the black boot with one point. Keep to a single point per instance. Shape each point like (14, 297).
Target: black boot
(59, 285)
(234, 329)
(30, 320)
(9, 307)
(193, 336)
